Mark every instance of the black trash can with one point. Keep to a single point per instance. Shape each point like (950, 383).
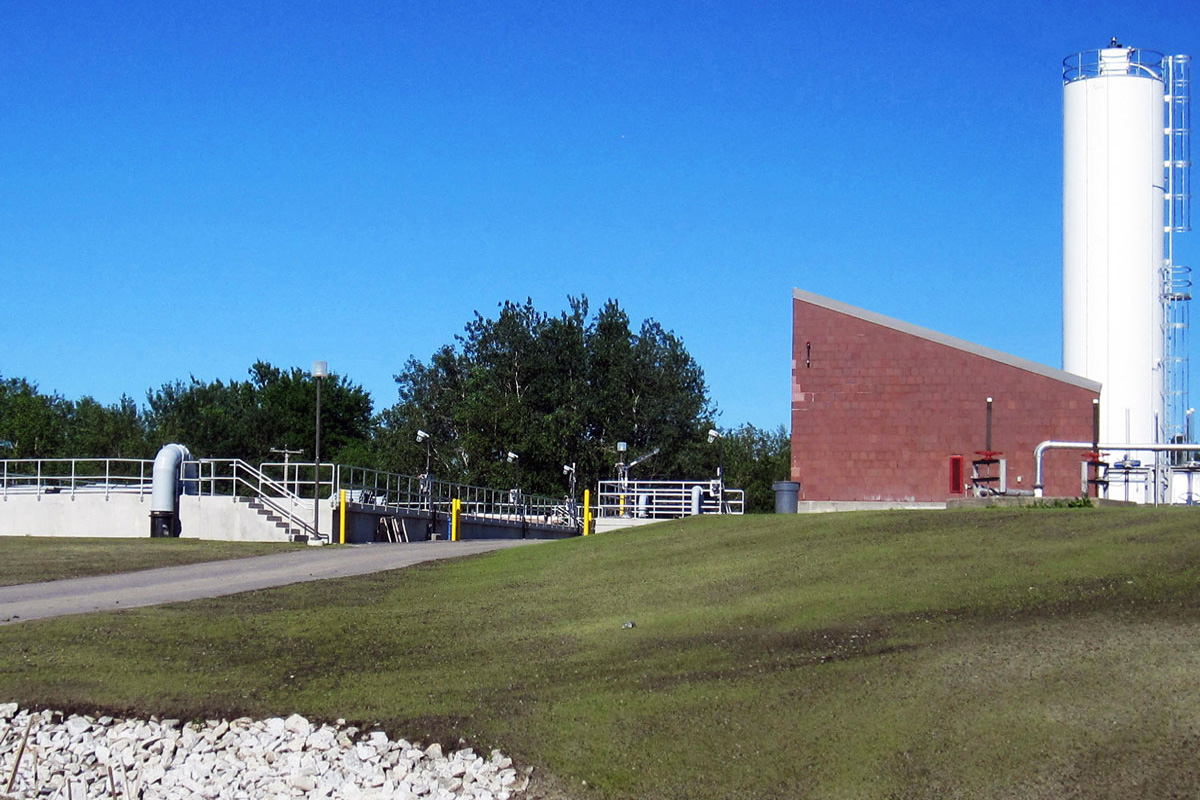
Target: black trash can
(787, 496)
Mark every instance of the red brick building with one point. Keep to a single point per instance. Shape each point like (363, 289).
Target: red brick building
(887, 411)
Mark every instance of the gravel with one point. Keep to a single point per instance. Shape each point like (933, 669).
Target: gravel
(45, 754)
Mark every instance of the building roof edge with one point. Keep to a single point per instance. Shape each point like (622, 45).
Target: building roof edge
(944, 339)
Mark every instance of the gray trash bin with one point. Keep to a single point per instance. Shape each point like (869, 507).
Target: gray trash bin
(787, 494)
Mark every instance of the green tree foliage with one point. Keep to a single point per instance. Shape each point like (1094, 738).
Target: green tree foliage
(32, 424)
(754, 459)
(98, 431)
(553, 389)
(275, 408)
(37, 425)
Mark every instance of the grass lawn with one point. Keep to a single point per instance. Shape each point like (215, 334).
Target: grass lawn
(30, 559)
(1022, 653)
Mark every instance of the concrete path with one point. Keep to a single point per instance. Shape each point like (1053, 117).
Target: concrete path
(214, 578)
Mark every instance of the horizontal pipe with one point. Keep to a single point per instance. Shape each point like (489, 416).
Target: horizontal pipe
(1041, 449)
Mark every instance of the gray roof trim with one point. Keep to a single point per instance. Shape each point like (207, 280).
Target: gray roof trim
(943, 339)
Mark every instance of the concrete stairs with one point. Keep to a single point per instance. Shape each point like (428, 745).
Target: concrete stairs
(274, 525)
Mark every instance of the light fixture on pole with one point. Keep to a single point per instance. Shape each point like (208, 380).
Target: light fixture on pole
(569, 470)
(421, 435)
(514, 459)
(426, 478)
(714, 435)
(320, 369)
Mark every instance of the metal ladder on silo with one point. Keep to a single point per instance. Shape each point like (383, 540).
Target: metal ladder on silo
(1176, 279)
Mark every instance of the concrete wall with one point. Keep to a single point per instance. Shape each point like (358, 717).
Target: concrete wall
(225, 519)
(121, 515)
(880, 406)
(222, 518)
(128, 516)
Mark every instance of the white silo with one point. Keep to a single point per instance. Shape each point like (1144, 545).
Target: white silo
(1117, 278)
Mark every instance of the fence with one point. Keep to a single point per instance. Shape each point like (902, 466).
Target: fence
(667, 499)
(285, 486)
(422, 493)
(75, 476)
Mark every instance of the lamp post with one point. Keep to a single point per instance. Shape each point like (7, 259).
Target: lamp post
(320, 369)
(715, 435)
(569, 470)
(515, 459)
(426, 479)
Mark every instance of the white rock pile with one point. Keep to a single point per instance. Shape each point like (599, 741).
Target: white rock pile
(46, 755)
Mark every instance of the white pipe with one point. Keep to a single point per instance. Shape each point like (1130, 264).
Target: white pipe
(167, 487)
(1041, 449)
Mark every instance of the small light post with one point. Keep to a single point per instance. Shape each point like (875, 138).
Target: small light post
(714, 435)
(515, 460)
(569, 471)
(426, 479)
(320, 369)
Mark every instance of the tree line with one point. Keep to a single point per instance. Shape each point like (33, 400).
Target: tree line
(554, 390)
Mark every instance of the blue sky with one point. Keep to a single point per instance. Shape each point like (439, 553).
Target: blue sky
(190, 187)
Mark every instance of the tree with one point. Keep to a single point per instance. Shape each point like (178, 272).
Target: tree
(553, 389)
(274, 409)
(754, 459)
(98, 431)
(32, 425)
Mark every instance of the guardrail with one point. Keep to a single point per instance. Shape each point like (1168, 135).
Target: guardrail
(422, 493)
(75, 476)
(284, 487)
(667, 499)
(234, 478)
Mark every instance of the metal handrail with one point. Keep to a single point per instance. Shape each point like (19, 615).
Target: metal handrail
(667, 499)
(1094, 63)
(422, 493)
(55, 475)
(236, 478)
(262, 487)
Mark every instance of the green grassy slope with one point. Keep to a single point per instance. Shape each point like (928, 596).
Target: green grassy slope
(989, 653)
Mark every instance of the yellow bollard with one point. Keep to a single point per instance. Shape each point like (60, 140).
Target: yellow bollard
(455, 521)
(342, 519)
(587, 511)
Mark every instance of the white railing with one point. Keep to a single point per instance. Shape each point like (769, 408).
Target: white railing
(423, 494)
(667, 499)
(75, 476)
(286, 488)
(235, 478)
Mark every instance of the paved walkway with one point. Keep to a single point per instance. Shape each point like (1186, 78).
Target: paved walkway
(214, 578)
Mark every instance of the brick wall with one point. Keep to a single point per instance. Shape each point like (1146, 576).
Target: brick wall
(877, 412)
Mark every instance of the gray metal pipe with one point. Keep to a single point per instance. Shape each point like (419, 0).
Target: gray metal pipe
(167, 486)
(1041, 449)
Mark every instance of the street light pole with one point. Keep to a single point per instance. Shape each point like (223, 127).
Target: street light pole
(426, 478)
(320, 369)
(515, 460)
(715, 435)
